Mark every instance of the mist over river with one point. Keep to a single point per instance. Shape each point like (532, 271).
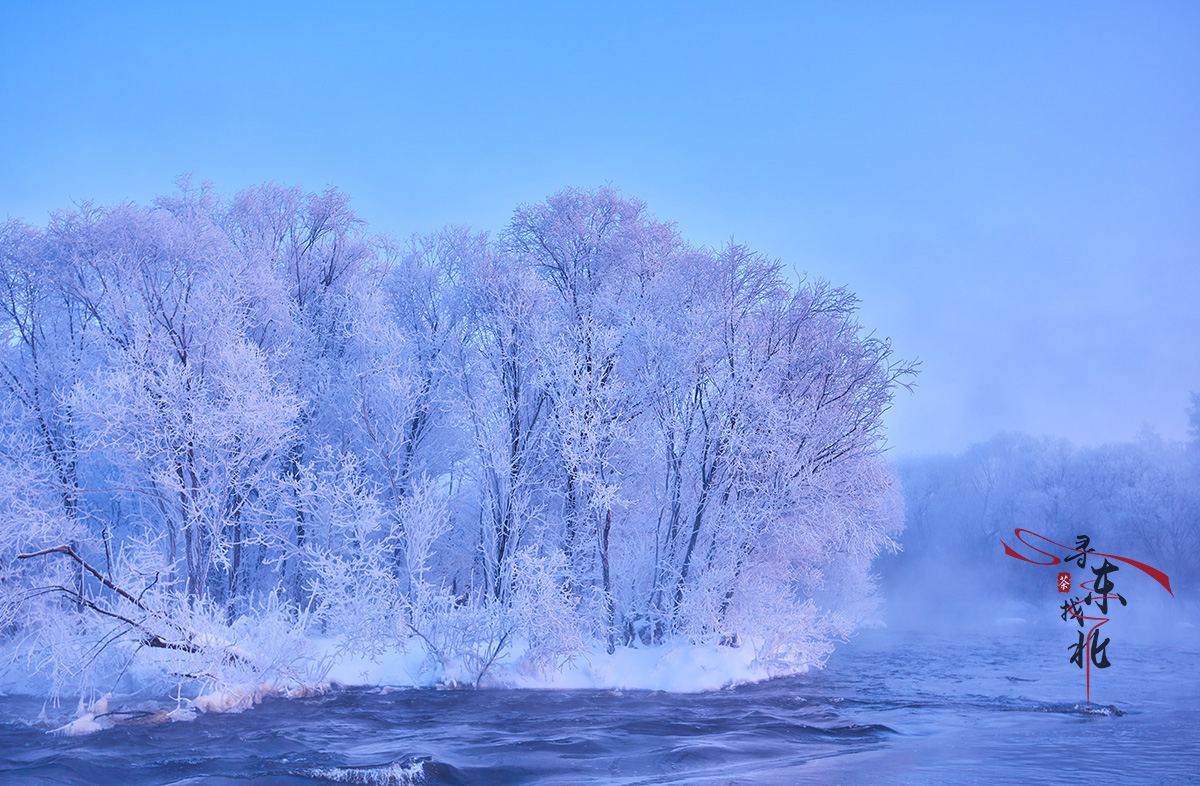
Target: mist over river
(1000, 705)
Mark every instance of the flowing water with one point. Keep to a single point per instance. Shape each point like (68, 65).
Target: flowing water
(890, 708)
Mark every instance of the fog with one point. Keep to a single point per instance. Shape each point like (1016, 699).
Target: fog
(1138, 500)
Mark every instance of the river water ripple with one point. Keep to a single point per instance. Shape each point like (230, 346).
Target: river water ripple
(890, 708)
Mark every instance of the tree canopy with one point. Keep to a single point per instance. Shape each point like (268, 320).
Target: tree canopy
(217, 410)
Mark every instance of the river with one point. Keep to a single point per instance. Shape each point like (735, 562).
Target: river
(998, 706)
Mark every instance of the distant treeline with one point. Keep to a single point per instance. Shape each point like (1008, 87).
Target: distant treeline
(1139, 499)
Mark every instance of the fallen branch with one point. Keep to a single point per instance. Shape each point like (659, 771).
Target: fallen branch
(70, 552)
(161, 643)
(150, 639)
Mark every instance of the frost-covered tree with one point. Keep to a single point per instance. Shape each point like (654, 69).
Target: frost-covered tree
(773, 424)
(217, 412)
(313, 258)
(505, 396)
(597, 253)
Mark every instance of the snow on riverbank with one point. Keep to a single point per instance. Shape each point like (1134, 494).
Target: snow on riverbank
(678, 669)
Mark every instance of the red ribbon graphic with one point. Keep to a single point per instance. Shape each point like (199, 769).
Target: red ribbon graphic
(1153, 573)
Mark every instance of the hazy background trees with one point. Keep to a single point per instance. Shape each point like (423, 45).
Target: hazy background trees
(1139, 499)
(217, 410)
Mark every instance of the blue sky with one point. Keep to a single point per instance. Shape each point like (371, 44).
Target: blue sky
(1012, 189)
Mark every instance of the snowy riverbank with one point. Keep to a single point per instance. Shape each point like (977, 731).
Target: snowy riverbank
(321, 665)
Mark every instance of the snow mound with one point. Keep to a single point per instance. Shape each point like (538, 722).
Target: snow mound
(239, 698)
